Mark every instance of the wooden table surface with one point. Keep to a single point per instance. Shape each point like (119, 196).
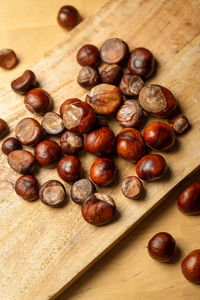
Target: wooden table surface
(126, 272)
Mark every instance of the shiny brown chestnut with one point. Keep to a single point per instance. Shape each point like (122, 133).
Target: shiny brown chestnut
(82, 189)
(179, 123)
(141, 62)
(38, 101)
(102, 171)
(28, 131)
(52, 193)
(27, 187)
(191, 266)
(157, 100)
(100, 142)
(66, 103)
(88, 77)
(79, 117)
(98, 209)
(129, 114)
(24, 83)
(68, 17)
(104, 98)
(52, 123)
(131, 85)
(71, 143)
(189, 200)
(47, 153)
(114, 51)
(8, 59)
(151, 167)
(130, 144)
(162, 247)
(111, 74)
(21, 161)
(88, 55)
(159, 136)
(3, 128)
(132, 187)
(10, 144)
(69, 168)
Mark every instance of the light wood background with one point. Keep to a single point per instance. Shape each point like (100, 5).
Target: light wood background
(126, 272)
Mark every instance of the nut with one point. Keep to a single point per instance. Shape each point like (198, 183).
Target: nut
(3, 128)
(52, 123)
(24, 83)
(71, 143)
(189, 200)
(131, 85)
(151, 167)
(66, 103)
(8, 59)
(132, 187)
(111, 74)
(68, 17)
(102, 171)
(47, 153)
(88, 77)
(88, 55)
(129, 114)
(191, 266)
(38, 101)
(27, 188)
(52, 193)
(114, 51)
(9, 145)
(69, 168)
(28, 131)
(21, 161)
(179, 123)
(81, 189)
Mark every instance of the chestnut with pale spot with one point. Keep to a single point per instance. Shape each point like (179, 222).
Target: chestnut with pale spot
(114, 51)
(38, 101)
(132, 187)
(102, 171)
(111, 74)
(52, 123)
(81, 189)
(88, 77)
(66, 103)
(71, 143)
(131, 85)
(21, 161)
(179, 123)
(29, 132)
(52, 193)
(27, 187)
(129, 114)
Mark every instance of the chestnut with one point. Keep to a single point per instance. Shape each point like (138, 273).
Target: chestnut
(66, 103)
(24, 83)
(88, 55)
(102, 171)
(191, 266)
(8, 59)
(130, 144)
(79, 117)
(159, 136)
(179, 123)
(3, 128)
(114, 51)
(69, 168)
(151, 167)
(88, 77)
(10, 144)
(21, 161)
(100, 142)
(47, 153)
(189, 200)
(28, 131)
(129, 114)
(71, 143)
(132, 187)
(81, 189)
(111, 74)
(68, 17)
(27, 188)
(98, 209)
(162, 247)
(38, 101)
(104, 98)
(52, 123)
(141, 62)
(157, 100)
(52, 193)
(131, 85)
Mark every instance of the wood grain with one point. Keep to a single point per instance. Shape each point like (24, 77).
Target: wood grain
(60, 246)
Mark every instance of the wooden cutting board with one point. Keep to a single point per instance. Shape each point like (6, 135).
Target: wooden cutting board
(42, 249)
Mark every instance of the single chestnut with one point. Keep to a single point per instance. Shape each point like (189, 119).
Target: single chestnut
(21, 161)
(24, 83)
(47, 153)
(68, 17)
(131, 85)
(27, 188)
(69, 168)
(3, 128)
(104, 98)
(179, 123)
(151, 167)
(38, 101)
(29, 132)
(52, 193)
(189, 200)
(79, 117)
(162, 247)
(88, 55)
(111, 74)
(100, 142)
(159, 136)
(102, 171)
(157, 100)
(114, 51)
(8, 59)
(141, 62)
(129, 114)
(191, 266)
(130, 144)
(81, 189)
(10, 144)
(52, 123)
(88, 77)
(71, 143)
(132, 187)
(98, 209)
(66, 103)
